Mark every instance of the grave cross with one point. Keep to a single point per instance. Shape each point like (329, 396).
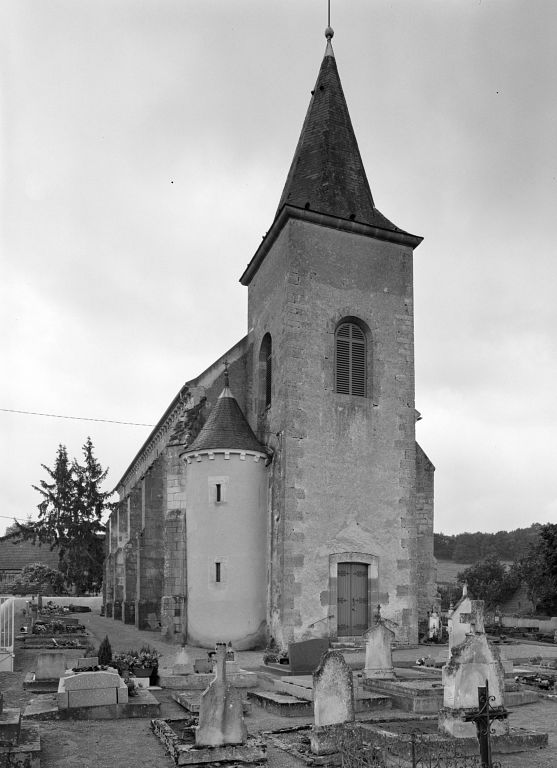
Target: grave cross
(482, 717)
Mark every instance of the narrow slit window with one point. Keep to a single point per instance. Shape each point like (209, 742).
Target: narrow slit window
(350, 360)
(218, 492)
(217, 572)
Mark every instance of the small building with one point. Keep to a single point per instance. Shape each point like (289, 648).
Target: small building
(15, 556)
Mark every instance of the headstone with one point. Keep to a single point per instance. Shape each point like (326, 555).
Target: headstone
(85, 662)
(333, 702)
(182, 664)
(87, 680)
(91, 689)
(379, 658)
(51, 665)
(472, 663)
(304, 656)
(333, 691)
(221, 719)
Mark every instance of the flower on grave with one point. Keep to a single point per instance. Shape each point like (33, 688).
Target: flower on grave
(144, 658)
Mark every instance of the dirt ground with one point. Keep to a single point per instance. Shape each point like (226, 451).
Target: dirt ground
(110, 743)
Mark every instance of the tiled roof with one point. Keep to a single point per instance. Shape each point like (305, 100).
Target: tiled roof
(226, 427)
(327, 174)
(17, 556)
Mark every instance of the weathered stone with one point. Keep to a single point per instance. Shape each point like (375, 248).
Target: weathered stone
(221, 719)
(473, 663)
(333, 691)
(87, 661)
(304, 657)
(379, 658)
(182, 663)
(88, 680)
(51, 665)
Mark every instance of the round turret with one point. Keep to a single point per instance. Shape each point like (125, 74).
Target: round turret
(226, 519)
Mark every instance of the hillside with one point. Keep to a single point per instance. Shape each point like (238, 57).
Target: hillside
(466, 548)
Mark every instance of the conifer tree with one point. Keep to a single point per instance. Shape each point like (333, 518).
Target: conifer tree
(70, 517)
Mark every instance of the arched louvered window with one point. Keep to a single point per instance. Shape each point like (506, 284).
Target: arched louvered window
(350, 359)
(265, 371)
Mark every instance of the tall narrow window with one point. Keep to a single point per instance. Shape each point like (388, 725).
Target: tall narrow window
(265, 372)
(219, 492)
(350, 360)
(217, 572)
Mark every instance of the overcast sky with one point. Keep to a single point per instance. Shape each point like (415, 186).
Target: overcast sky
(144, 146)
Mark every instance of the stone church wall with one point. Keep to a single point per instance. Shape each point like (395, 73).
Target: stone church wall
(344, 470)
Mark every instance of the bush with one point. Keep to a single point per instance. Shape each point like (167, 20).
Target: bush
(105, 652)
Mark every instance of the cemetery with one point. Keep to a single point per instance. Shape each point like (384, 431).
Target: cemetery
(370, 701)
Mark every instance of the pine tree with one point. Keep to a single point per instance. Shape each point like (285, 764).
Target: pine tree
(70, 518)
(105, 652)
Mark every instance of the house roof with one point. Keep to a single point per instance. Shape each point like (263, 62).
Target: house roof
(226, 428)
(327, 174)
(15, 556)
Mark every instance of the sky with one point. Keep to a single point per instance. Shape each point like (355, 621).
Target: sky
(143, 149)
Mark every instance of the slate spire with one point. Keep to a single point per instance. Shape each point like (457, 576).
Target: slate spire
(226, 427)
(327, 174)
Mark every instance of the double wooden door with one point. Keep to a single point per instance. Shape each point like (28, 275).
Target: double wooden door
(352, 599)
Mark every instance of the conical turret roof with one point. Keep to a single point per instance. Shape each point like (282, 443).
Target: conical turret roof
(327, 173)
(226, 428)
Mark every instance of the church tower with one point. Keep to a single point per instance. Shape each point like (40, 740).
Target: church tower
(330, 319)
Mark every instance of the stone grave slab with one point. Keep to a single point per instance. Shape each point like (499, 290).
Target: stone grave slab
(91, 689)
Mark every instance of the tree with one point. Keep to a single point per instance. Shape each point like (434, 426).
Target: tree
(539, 570)
(490, 581)
(38, 578)
(70, 517)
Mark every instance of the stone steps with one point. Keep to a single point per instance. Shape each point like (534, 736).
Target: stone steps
(282, 704)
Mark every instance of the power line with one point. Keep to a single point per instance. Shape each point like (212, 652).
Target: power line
(76, 418)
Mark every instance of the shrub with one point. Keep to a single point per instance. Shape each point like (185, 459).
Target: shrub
(105, 652)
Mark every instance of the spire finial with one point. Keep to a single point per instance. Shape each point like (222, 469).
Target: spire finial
(329, 32)
(226, 378)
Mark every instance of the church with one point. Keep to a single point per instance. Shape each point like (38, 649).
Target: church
(282, 494)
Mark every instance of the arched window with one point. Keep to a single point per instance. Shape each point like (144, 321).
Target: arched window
(350, 359)
(265, 371)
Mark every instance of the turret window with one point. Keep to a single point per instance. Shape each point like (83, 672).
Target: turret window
(350, 359)
(218, 489)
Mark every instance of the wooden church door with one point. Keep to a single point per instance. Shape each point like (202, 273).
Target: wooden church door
(352, 602)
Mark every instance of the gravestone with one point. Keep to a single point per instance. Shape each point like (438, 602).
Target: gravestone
(182, 663)
(304, 656)
(379, 658)
(86, 661)
(221, 718)
(333, 702)
(51, 665)
(91, 689)
(472, 663)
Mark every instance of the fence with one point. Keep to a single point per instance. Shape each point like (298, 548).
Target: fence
(7, 635)
(363, 748)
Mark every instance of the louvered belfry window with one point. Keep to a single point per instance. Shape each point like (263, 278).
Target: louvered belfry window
(350, 360)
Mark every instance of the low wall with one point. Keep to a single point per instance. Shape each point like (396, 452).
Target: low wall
(94, 603)
(542, 625)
